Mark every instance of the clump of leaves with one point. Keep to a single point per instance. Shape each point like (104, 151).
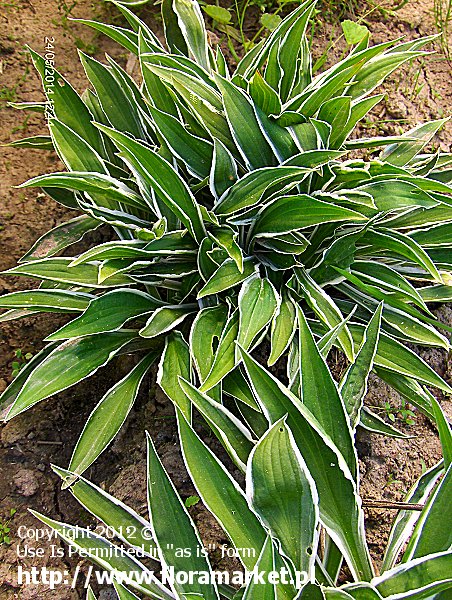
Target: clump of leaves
(273, 524)
(405, 414)
(238, 217)
(234, 207)
(21, 359)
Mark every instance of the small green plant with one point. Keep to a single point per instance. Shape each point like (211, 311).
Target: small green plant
(443, 20)
(5, 528)
(10, 6)
(191, 501)
(401, 412)
(391, 480)
(21, 360)
(9, 94)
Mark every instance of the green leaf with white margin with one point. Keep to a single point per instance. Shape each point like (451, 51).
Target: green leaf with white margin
(225, 357)
(281, 491)
(109, 416)
(327, 341)
(373, 73)
(284, 325)
(47, 300)
(311, 591)
(221, 495)
(175, 362)
(358, 111)
(71, 362)
(67, 105)
(194, 151)
(394, 241)
(203, 100)
(396, 357)
(226, 238)
(406, 519)
(14, 314)
(418, 579)
(331, 565)
(59, 270)
(173, 35)
(321, 397)
(223, 173)
(359, 591)
(172, 243)
(244, 126)
(154, 89)
(108, 312)
(336, 112)
(285, 243)
(227, 276)
(126, 524)
(204, 335)
(156, 172)
(107, 191)
(234, 436)
(29, 106)
(384, 277)
(121, 113)
(287, 213)
(36, 142)
(263, 95)
(174, 529)
(339, 503)
(395, 194)
(137, 24)
(374, 423)
(166, 318)
(13, 390)
(353, 386)
(266, 564)
(444, 430)
(125, 37)
(257, 56)
(60, 237)
(109, 557)
(326, 310)
(73, 150)
(256, 590)
(122, 592)
(258, 300)
(235, 385)
(193, 29)
(430, 533)
(436, 293)
(249, 190)
(435, 236)
(400, 154)
(336, 594)
(90, 594)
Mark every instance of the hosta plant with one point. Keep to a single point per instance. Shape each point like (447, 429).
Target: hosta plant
(247, 222)
(233, 203)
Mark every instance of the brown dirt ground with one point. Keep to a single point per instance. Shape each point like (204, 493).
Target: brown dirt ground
(46, 434)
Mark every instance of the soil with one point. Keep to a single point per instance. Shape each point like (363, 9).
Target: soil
(46, 435)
